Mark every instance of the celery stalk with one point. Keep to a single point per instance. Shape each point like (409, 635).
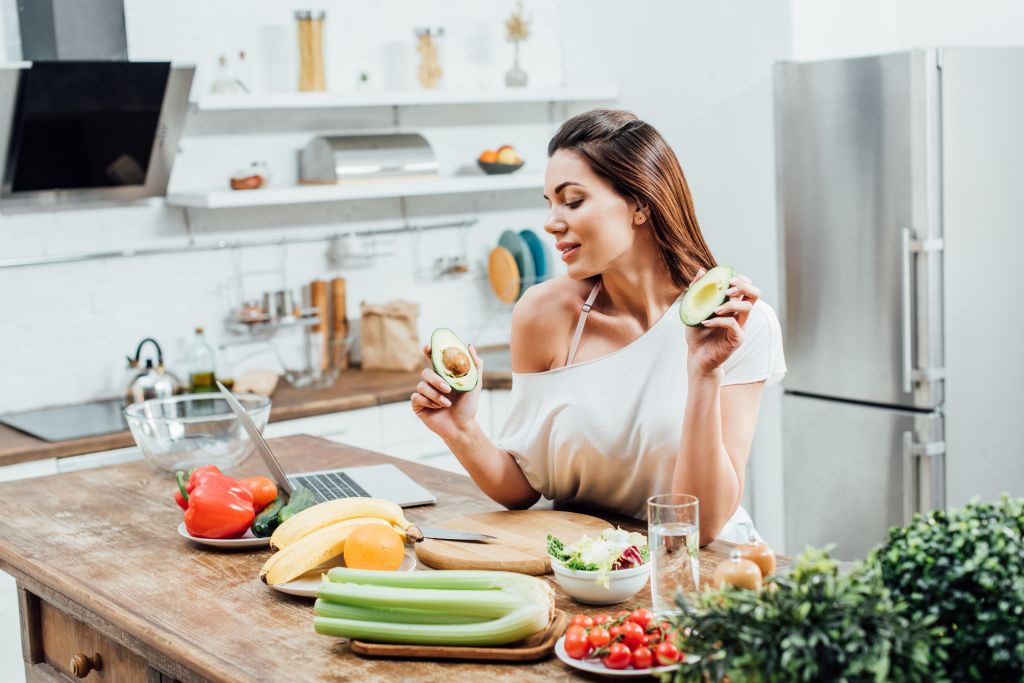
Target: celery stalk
(514, 626)
(483, 603)
(323, 608)
(528, 587)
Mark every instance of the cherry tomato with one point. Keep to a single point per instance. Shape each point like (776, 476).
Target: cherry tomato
(582, 620)
(641, 658)
(574, 628)
(262, 490)
(632, 635)
(601, 619)
(641, 616)
(615, 631)
(599, 637)
(622, 615)
(666, 653)
(576, 645)
(618, 656)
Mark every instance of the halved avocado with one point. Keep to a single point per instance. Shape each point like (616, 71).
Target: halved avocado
(452, 361)
(705, 295)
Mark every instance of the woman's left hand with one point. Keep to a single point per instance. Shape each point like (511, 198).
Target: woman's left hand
(712, 342)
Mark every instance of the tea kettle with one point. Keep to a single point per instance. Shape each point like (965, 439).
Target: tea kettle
(150, 382)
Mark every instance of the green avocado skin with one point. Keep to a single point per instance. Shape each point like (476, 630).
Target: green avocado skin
(441, 339)
(693, 312)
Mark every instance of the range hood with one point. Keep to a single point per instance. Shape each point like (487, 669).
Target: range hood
(89, 131)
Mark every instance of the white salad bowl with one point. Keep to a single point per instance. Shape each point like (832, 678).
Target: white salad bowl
(583, 586)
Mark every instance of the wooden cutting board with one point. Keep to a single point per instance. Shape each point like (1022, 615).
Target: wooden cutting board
(536, 646)
(521, 544)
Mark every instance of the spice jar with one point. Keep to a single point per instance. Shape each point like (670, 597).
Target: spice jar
(757, 551)
(311, 50)
(738, 572)
(428, 46)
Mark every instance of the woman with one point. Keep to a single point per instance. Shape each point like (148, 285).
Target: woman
(613, 398)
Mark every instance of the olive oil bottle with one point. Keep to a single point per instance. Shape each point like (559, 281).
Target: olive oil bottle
(201, 363)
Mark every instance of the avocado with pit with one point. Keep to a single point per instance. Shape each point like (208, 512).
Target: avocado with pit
(452, 361)
(705, 295)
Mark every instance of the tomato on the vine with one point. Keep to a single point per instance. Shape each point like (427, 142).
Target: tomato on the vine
(615, 630)
(666, 653)
(618, 656)
(622, 615)
(599, 637)
(582, 620)
(632, 635)
(641, 616)
(576, 643)
(601, 618)
(641, 658)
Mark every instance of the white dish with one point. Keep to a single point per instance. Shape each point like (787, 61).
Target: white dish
(596, 667)
(250, 540)
(582, 585)
(308, 584)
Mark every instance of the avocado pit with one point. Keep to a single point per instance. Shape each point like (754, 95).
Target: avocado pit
(455, 361)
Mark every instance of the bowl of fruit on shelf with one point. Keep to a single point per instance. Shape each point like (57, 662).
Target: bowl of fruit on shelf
(505, 159)
(601, 571)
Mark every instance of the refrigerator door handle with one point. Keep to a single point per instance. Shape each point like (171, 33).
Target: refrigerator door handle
(916, 456)
(908, 247)
(906, 319)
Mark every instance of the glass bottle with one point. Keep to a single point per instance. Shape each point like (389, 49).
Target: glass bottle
(224, 82)
(201, 363)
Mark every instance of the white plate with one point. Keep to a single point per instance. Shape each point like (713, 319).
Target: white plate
(596, 667)
(250, 540)
(308, 584)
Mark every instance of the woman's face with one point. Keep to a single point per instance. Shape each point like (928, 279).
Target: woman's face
(593, 226)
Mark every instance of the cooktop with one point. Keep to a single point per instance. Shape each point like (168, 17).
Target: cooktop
(63, 423)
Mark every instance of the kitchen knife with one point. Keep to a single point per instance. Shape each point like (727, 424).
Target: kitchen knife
(257, 439)
(452, 535)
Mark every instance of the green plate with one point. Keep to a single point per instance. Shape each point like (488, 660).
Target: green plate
(540, 261)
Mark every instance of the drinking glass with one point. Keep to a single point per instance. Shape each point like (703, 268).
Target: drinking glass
(673, 534)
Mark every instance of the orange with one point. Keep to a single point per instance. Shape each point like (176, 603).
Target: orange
(489, 156)
(374, 546)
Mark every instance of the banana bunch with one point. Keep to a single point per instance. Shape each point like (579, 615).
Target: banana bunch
(318, 534)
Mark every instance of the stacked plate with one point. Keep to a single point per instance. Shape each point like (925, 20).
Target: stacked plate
(519, 260)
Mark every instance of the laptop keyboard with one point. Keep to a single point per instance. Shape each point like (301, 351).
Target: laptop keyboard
(330, 485)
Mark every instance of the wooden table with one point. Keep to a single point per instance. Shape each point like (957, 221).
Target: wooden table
(101, 569)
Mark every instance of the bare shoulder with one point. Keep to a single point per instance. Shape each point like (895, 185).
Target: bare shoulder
(542, 323)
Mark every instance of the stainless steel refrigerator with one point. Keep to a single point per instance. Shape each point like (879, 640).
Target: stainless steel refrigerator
(900, 184)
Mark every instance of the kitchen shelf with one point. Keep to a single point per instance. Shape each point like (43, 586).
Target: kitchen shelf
(375, 189)
(401, 98)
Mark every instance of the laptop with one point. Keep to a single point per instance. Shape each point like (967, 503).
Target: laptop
(373, 481)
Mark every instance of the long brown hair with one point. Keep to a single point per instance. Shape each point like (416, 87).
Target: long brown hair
(636, 160)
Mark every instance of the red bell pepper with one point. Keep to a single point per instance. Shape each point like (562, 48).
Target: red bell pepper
(218, 507)
(199, 474)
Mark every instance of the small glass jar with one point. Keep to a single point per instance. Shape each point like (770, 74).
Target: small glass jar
(311, 50)
(428, 47)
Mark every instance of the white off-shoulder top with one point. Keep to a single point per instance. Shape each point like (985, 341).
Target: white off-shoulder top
(606, 432)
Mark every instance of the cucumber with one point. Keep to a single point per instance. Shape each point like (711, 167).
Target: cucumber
(267, 521)
(301, 499)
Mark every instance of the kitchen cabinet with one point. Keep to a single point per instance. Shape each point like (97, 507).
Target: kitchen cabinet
(27, 470)
(360, 427)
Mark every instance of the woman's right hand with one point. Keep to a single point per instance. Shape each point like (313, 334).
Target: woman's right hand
(444, 411)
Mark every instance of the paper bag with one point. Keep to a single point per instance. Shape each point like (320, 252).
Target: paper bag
(388, 336)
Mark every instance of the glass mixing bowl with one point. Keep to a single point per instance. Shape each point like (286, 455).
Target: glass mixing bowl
(194, 429)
